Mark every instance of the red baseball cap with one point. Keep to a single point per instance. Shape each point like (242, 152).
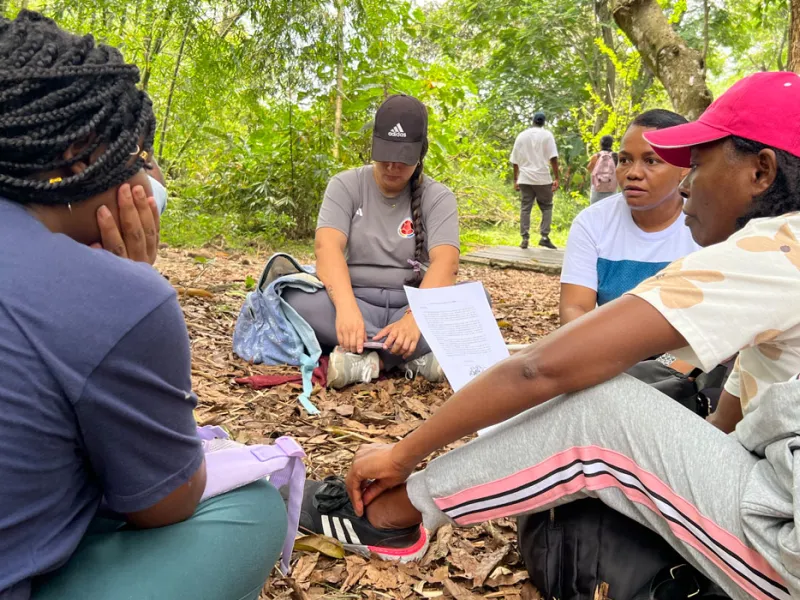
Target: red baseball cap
(764, 107)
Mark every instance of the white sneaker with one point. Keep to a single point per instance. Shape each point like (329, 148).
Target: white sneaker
(427, 366)
(345, 368)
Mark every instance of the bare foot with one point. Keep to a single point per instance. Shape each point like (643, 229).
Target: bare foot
(393, 510)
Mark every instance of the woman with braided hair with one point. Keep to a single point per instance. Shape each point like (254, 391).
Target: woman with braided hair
(96, 399)
(381, 227)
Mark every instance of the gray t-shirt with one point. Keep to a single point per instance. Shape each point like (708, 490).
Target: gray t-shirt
(380, 231)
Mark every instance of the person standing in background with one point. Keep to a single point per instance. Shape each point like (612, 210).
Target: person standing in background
(533, 149)
(602, 169)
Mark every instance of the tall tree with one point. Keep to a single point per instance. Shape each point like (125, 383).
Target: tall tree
(679, 67)
(603, 13)
(337, 119)
(794, 36)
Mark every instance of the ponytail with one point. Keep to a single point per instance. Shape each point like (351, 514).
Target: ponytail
(415, 183)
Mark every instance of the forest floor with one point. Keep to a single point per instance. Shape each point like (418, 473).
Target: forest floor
(480, 562)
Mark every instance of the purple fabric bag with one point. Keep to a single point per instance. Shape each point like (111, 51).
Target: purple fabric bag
(231, 465)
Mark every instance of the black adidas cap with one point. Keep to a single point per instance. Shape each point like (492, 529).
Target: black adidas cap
(401, 126)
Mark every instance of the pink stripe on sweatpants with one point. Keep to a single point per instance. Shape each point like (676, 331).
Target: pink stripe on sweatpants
(620, 461)
(509, 482)
(605, 481)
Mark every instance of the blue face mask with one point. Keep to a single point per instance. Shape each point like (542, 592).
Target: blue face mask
(159, 193)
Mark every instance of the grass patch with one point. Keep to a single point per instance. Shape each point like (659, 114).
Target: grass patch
(185, 226)
(505, 235)
(182, 228)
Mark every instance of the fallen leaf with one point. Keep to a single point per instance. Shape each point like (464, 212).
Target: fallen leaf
(503, 576)
(376, 577)
(488, 564)
(458, 592)
(440, 546)
(439, 575)
(528, 592)
(304, 567)
(417, 407)
(356, 566)
(332, 574)
(465, 561)
(194, 292)
(297, 591)
(346, 410)
(317, 543)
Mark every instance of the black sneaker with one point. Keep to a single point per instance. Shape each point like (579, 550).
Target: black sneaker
(524, 244)
(327, 511)
(546, 243)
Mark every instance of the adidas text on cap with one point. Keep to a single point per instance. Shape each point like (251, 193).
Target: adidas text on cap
(746, 110)
(401, 126)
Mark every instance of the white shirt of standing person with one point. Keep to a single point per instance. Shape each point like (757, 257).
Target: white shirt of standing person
(532, 152)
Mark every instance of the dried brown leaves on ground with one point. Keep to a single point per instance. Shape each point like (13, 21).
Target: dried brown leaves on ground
(480, 562)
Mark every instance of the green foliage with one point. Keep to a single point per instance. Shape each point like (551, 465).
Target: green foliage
(245, 93)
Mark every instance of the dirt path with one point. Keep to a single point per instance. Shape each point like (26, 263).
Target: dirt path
(465, 564)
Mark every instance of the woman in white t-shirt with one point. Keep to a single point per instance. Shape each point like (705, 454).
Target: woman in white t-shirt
(616, 244)
(572, 427)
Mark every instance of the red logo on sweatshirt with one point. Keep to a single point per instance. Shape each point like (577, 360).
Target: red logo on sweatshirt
(406, 229)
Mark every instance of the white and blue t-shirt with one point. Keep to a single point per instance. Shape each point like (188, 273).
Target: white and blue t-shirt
(607, 252)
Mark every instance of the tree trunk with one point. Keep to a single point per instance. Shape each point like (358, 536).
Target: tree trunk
(678, 67)
(154, 49)
(601, 10)
(794, 38)
(706, 9)
(172, 83)
(337, 121)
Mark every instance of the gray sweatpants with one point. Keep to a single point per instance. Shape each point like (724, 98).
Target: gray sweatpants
(635, 449)
(541, 194)
(379, 308)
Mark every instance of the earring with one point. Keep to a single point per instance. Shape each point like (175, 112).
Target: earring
(137, 151)
(69, 206)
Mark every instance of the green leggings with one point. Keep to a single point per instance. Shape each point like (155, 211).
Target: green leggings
(225, 551)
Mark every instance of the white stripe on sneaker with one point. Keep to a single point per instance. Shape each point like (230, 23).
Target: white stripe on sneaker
(326, 526)
(339, 531)
(349, 526)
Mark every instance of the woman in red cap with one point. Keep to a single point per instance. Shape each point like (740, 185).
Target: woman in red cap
(575, 428)
(381, 227)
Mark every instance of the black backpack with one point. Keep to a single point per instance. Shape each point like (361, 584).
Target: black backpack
(585, 550)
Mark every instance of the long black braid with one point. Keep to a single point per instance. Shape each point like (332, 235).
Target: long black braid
(415, 183)
(58, 90)
(783, 196)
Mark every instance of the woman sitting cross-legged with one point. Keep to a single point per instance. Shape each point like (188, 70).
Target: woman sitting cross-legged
(95, 369)
(381, 227)
(574, 427)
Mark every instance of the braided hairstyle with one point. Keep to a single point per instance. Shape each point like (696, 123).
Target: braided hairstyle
(59, 90)
(783, 196)
(415, 183)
